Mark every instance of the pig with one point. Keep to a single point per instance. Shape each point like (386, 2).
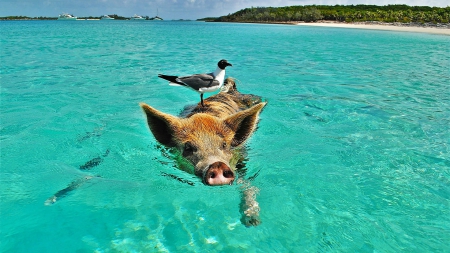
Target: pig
(211, 138)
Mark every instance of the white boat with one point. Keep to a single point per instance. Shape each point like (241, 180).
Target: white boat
(106, 17)
(66, 16)
(137, 17)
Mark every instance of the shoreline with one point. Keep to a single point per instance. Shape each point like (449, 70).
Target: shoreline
(440, 29)
(381, 26)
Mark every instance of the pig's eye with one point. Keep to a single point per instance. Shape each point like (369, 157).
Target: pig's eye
(224, 145)
(189, 149)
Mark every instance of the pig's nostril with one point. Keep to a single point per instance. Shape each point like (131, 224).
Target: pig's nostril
(212, 175)
(228, 174)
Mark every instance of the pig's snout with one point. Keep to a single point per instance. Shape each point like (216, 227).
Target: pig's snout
(218, 173)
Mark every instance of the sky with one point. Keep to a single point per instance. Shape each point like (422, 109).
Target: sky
(170, 9)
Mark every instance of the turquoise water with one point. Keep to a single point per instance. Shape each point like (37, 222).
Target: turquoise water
(352, 149)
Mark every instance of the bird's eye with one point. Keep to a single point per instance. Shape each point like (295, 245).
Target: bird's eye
(189, 149)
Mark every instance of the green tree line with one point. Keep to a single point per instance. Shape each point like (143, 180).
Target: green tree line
(115, 16)
(27, 18)
(347, 13)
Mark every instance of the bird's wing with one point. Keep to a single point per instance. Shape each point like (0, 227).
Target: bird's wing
(199, 81)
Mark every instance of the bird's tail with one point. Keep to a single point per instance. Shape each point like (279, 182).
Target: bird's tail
(172, 79)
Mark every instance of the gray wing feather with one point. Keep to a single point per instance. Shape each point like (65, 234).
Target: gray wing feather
(199, 81)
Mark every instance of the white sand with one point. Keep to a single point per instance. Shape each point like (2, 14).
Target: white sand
(443, 31)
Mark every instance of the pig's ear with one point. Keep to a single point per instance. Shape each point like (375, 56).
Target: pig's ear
(161, 124)
(244, 123)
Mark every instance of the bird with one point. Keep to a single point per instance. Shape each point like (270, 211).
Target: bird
(201, 83)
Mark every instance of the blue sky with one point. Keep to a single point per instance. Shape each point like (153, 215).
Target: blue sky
(169, 9)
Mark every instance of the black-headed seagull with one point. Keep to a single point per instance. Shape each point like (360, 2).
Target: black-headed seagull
(201, 83)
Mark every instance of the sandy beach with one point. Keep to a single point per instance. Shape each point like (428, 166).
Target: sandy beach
(433, 30)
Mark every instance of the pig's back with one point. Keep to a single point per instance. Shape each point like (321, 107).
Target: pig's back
(225, 103)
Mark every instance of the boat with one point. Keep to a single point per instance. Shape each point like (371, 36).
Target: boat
(137, 17)
(66, 16)
(156, 18)
(106, 17)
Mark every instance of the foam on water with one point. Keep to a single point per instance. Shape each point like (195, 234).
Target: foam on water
(351, 154)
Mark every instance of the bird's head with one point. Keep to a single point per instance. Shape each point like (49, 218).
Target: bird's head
(223, 64)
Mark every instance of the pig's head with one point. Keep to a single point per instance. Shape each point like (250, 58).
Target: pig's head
(207, 142)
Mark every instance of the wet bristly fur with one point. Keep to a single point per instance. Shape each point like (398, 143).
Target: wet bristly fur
(218, 129)
(225, 103)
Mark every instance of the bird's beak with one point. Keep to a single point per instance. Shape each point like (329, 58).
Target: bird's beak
(229, 64)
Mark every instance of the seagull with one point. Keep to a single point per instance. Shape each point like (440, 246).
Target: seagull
(201, 83)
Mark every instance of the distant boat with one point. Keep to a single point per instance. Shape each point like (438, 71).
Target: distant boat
(106, 17)
(156, 18)
(137, 17)
(66, 16)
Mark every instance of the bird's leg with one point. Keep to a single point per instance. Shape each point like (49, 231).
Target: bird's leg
(201, 98)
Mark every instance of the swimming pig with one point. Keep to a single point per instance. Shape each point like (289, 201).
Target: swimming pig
(210, 137)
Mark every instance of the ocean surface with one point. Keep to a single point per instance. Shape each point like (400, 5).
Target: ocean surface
(352, 153)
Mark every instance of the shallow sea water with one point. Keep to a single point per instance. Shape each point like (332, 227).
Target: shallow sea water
(352, 149)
